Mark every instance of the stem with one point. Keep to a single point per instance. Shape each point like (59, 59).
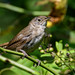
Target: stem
(30, 58)
(19, 65)
(21, 10)
(64, 62)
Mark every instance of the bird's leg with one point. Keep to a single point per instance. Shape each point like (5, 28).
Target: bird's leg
(20, 50)
(25, 54)
(39, 62)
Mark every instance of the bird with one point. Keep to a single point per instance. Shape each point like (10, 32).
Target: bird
(29, 38)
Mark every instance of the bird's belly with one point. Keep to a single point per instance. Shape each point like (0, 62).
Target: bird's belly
(33, 44)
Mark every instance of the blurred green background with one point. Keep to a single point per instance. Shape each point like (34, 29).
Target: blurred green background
(12, 22)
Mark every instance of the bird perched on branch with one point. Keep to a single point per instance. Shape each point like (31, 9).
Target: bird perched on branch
(28, 39)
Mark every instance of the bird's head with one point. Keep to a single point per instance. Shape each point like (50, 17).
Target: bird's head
(40, 21)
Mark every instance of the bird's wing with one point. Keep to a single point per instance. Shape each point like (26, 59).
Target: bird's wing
(26, 32)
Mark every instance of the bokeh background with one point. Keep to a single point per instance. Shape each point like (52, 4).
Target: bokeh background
(13, 19)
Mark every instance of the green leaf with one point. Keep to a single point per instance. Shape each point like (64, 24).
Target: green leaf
(59, 45)
(7, 71)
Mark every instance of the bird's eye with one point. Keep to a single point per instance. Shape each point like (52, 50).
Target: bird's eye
(39, 20)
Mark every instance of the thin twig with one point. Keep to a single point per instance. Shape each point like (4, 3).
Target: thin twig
(30, 58)
(64, 62)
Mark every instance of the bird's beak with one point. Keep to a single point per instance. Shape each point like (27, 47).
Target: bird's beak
(48, 18)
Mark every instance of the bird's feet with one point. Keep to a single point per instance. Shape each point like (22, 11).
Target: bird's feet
(25, 54)
(39, 62)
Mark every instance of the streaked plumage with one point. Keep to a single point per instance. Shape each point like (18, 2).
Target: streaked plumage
(30, 37)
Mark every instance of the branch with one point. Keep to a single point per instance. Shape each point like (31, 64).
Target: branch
(21, 10)
(30, 58)
(19, 65)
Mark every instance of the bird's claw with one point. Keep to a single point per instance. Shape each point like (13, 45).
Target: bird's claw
(25, 54)
(39, 62)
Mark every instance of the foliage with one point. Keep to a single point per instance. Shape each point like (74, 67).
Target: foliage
(58, 56)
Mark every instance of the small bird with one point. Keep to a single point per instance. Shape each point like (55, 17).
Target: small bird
(29, 38)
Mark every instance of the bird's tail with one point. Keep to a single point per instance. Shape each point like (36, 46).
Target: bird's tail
(4, 44)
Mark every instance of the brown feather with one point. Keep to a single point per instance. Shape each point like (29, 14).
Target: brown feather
(4, 44)
(19, 37)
